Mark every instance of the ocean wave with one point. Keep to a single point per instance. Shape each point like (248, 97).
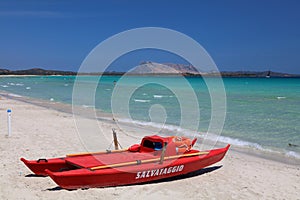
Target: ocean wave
(28, 88)
(292, 154)
(5, 86)
(154, 125)
(161, 96)
(252, 145)
(88, 106)
(281, 97)
(141, 100)
(238, 142)
(13, 95)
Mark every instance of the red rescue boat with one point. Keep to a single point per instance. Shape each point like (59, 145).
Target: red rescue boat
(155, 158)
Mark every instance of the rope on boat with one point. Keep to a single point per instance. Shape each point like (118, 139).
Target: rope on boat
(109, 147)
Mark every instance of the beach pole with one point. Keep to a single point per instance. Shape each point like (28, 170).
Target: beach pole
(9, 122)
(116, 143)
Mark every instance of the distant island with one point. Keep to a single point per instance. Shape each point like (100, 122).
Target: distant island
(35, 71)
(155, 69)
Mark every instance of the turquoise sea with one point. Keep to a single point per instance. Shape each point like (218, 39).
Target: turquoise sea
(262, 113)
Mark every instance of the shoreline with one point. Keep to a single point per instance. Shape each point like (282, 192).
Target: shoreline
(268, 154)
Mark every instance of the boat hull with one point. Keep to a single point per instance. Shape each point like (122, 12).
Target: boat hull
(134, 174)
(38, 167)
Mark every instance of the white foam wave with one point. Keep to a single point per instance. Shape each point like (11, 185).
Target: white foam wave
(13, 95)
(171, 128)
(280, 97)
(161, 96)
(88, 106)
(5, 86)
(141, 100)
(28, 88)
(292, 154)
(241, 143)
(238, 142)
(19, 84)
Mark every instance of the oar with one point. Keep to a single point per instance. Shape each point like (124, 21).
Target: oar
(137, 162)
(100, 152)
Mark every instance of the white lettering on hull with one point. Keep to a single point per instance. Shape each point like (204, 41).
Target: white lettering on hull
(159, 172)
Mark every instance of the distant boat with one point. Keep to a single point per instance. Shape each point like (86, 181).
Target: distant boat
(268, 75)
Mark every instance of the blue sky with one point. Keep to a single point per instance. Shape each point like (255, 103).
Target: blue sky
(239, 35)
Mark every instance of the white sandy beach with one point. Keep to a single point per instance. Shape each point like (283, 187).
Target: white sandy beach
(38, 132)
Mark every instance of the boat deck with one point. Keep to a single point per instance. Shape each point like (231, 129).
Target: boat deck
(90, 161)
